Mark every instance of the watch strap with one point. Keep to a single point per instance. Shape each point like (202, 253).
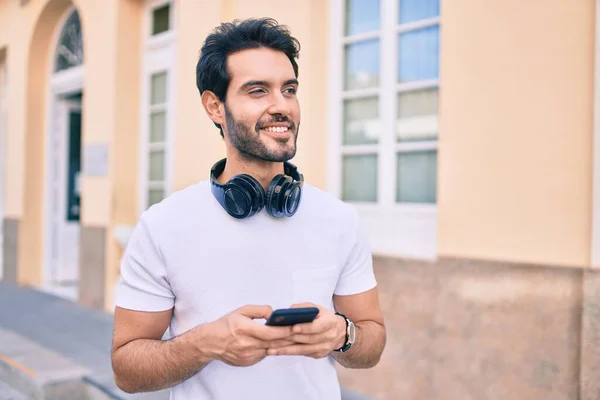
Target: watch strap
(346, 346)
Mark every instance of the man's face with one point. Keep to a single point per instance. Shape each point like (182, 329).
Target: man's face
(261, 108)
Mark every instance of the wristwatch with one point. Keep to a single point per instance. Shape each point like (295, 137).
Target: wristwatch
(350, 334)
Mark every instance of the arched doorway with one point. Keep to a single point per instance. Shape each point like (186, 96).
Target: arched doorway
(63, 155)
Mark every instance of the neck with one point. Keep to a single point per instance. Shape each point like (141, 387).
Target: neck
(262, 171)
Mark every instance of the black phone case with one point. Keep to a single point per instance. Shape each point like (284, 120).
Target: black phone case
(292, 316)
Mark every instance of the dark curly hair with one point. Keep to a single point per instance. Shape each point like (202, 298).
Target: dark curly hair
(231, 37)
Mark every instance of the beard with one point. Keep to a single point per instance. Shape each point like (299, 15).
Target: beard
(249, 142)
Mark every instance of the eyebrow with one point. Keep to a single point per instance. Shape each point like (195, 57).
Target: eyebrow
(265, 83)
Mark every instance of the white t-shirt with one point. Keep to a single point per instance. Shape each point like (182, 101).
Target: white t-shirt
(187, 253)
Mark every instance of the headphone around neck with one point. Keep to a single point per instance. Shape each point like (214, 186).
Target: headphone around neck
(242, 196)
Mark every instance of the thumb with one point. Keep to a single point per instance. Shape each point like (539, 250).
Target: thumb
(303, 305)
(254, 311)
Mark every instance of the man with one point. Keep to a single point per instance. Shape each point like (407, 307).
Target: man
(212, 261)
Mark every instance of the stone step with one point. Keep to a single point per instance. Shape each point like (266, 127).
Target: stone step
(39, 373)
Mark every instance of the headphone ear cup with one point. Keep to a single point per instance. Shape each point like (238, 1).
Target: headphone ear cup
(291, 199)
(256, 192)
(253, 191)
(275, 197)
(237, 201)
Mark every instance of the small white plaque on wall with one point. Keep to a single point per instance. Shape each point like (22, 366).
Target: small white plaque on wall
(95, 160)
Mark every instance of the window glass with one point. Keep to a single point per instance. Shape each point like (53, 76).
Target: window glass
(414, 10)
(361, 121)
(157, 165)
(417, 177)
(418, 54)
(157, 127)
(158, 88)
(359, 181)
(69, 52)
(361, 16)
(155, 196)
(362, 65)
(417, 115)
(160, 19)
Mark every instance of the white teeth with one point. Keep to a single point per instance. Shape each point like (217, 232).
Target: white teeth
(276, 129)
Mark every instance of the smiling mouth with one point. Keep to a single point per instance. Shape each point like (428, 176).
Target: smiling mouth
(276, 129)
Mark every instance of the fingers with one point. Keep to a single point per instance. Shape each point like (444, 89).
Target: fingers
(277, 344)
(253, 344)
(312, 328)
(308, 339)
(246, 358)
(312, 350)
(309, 305)
(303, 305)
(269, 333)
(255, 311)
(325, 331)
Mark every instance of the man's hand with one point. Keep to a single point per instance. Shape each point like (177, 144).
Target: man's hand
(316, 339)
(240, 341)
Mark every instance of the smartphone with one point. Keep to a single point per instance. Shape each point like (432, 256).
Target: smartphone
(292, 316)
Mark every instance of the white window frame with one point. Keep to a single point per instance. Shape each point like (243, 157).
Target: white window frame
(395, 229)
(163, 39)
(159, 56)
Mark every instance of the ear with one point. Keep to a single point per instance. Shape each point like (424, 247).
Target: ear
(213, 108)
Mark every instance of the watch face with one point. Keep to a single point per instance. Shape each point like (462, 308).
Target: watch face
(351, 333)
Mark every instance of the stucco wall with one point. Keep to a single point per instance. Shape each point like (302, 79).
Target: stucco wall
(15, 34)
(516, 130)
(29, 138)
(125, 138)
(515, 126)
(197, 143)
(109, 61)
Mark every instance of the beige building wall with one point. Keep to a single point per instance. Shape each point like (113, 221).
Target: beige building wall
(515, 165)
(29, 52)
(530, 203)
(110, 117)
(126, 137)
(14, 35)
(515, 173)
(197, 143)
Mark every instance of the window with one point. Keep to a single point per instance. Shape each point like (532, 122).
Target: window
(383, 136)
(389, 108)
(157, 102)
(70, 45)
(160, 19)
(157, 138)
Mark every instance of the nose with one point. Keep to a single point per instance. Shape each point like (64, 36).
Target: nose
(279, 104)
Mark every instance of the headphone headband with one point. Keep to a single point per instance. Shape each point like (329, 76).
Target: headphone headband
(289, 169)
(243, 196)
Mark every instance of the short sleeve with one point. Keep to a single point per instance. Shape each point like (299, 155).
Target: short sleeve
(144, 284)
(357, 274)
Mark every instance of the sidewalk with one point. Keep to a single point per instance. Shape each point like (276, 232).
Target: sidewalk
(47, 335)
(45, 339)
